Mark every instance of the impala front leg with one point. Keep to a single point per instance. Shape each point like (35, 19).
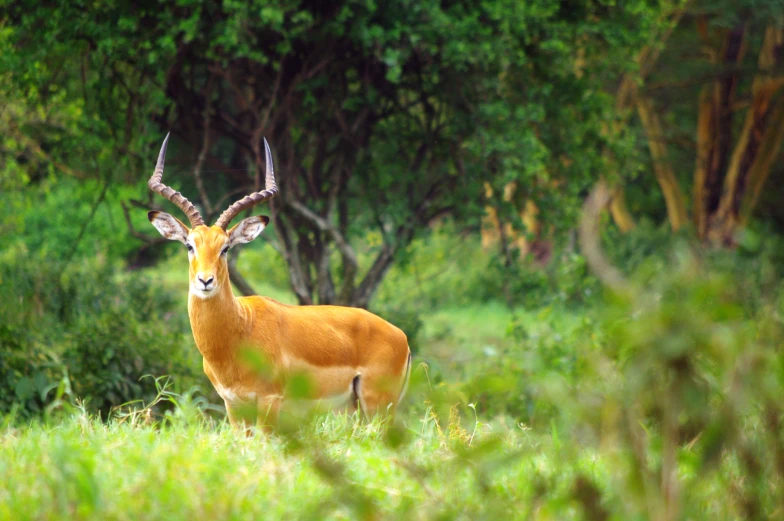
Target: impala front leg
(269, 409)
(240, 417)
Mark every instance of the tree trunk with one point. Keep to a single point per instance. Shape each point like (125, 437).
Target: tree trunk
(619, 211)
(673, 196)
(624, 100)
(757, 146)
(506, 237)
(714, 131)
(727, 179)
(725, 184)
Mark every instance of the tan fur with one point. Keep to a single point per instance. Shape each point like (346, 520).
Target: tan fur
(330, 345)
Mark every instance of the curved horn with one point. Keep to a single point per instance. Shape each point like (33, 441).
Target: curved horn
(270, 191)
(177, 198)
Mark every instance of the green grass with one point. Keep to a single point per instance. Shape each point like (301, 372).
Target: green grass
(457, 340)
(188, 465)
(592, 448)
(336, 467)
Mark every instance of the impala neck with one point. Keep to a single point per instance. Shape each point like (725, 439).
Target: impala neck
(219, 323)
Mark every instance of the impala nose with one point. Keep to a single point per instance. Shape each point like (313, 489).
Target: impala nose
(206, 282)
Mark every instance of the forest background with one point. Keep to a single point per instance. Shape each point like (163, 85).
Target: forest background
(572, 208)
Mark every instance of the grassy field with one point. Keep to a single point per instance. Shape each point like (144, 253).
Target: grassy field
(592, 446)
(335, 467)
(190, 465)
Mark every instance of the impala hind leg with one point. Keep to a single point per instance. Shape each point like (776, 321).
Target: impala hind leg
(381, 392)
(376, 395)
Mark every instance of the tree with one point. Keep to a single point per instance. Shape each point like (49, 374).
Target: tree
(381, 118)
(737, 71)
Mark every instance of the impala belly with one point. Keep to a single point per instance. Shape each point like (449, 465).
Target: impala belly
(327, 384)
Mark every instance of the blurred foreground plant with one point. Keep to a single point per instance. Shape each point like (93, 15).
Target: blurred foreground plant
(685, 396)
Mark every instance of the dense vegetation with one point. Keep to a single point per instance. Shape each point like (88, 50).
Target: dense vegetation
(434, 159)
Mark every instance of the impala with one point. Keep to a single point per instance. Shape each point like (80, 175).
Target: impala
(349, 356)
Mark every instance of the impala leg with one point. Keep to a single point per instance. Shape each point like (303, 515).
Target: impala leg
(239, 418)
(231, 414)
(376, 395)
(379, 393)
(269, 408)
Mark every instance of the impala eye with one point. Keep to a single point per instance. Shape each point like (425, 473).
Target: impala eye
(225, 250)
(190, 248)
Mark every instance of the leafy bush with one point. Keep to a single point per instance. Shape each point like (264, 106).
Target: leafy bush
(91, 323)
(564, 281)
(407, 319)
(444, 268)
(66, 228)
(544, 353)
(27, 372)
(688, 385)
(675, 384)
(679, 380)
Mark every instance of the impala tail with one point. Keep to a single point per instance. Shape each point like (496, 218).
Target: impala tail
(405, 381)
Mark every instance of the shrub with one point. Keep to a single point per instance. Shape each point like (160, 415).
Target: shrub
(66, 228)
(27, 372)
(89, 321)
(678, 380)
(446, 268)
(407, 319)
(688, 387)
(545, 353)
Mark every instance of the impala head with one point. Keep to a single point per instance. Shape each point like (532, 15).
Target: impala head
(208, 246)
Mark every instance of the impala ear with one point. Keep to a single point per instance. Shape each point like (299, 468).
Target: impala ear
(170, 227)
(247, 229)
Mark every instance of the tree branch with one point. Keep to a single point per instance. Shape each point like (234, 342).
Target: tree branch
(325, 226)
(297, 275)
(372, 279)
(203, 153)
(137, 234)
(236, 277)
(590, 243)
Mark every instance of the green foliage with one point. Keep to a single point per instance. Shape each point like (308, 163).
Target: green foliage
(64, 218)
(84, 322)
(564, 281)
(27, 372)
(397, 113)
(545, 348)
(676, 383)
(446, 267)
(690, 379)
(664, 399)
(544, 353)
